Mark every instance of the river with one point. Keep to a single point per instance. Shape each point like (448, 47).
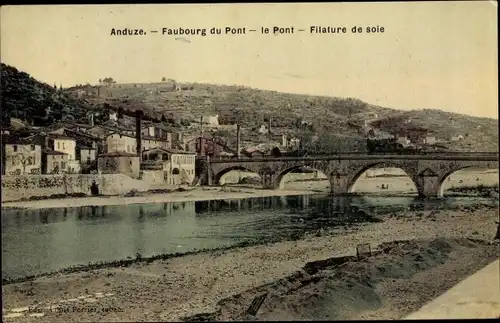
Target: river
(36, 241)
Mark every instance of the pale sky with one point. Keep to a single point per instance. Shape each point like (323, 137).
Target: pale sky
(437, 55)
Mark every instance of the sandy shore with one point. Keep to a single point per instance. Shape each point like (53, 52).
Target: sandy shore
(191, 194)
(171, 289)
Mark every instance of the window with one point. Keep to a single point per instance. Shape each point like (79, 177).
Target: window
(63, 164)
(15, 148)
(29, 161)
(128, 148)
(63, 145)
(58, 145)
(130, 162)
(32, 147)
(55, 164)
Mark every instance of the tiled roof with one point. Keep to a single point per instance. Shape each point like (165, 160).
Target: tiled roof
(58, 136)
(171, 151)
(14, 140)
(54, 152)
(118, 154)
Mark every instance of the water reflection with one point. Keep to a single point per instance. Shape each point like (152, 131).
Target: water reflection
(42, 240)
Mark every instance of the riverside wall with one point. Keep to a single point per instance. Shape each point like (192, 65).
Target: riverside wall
(15, 188)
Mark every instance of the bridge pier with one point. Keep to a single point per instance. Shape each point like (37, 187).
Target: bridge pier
(339, 185)
(269, 181)
(428, 185)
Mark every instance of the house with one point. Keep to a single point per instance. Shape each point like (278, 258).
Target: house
(118, 142)
(113, 116)
(178, 166)
(457, 138)
(204, 147)
(86, 140)
(55, 162)
(86, 154)
(212, 121)
(152, 142)
(67, 145)
(157, 131)
(430, 140)
(403, 140)
(103, 131)
(119, 162)
(293, 143)
(20, 157)
(62, 143)
(253, 152)
(82, 127)
(99, 131)
(263, 129)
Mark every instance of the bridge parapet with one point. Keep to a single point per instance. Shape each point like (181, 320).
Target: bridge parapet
(427, 172)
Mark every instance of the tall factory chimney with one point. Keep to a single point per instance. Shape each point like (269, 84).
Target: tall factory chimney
(138, 135)
(238, 141)
(269, 129)
(202, 141)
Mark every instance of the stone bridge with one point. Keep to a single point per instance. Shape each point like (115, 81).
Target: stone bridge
(428, 172)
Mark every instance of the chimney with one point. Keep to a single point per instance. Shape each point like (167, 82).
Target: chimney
(238, 141)
(202, 142)
(269, 129)
(138, 135)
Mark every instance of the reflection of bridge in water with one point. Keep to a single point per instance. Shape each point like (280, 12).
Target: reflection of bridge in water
(428, 172)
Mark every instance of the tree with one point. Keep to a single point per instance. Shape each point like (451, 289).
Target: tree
(163, 79)
(163, 119)
(100, 82)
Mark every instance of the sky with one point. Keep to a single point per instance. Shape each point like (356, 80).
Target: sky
(431, 55)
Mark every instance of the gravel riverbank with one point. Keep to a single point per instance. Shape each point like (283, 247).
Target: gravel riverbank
(181, 287)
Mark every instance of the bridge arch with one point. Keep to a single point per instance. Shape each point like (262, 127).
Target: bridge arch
(475, 181)
(218, 176)
(279, 181)
(414, 186)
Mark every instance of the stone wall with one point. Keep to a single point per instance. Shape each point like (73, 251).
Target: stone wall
(23, 187)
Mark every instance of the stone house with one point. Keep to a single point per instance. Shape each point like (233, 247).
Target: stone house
(204, 147)
(55, 162)
(157, 131)
(211, 121)
(118, 142)
(119, 163)
(87, 154)
(403, 140)
(62, 143)
(152, 142)
(253, 152)
(86, 140)
(20, 157)
(178, 166)
(430, 140)
(66, 145)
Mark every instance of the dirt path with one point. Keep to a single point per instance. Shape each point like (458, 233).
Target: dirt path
(175, 288)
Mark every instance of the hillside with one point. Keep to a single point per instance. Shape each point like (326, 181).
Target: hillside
(330, 117)
(238, 104)
(38, 103)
